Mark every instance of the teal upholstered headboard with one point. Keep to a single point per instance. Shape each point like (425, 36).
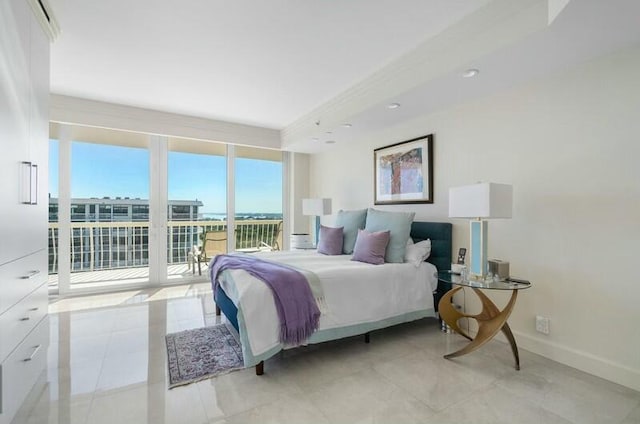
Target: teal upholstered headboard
(440, 235)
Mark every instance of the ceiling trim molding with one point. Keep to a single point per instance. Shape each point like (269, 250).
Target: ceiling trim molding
(44, 15)
(499, 24)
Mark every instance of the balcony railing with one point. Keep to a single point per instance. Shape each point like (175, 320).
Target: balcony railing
(116, 245)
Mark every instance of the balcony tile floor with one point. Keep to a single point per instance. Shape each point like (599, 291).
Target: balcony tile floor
(125, 276)
(106, 364)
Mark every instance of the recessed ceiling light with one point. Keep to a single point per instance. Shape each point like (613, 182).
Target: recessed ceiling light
(329, 132)
(470, 73)
(347, 125)
(315, 139)
(393, 105)
(330, 141)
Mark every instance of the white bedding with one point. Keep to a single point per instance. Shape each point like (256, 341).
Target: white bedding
(354, 293)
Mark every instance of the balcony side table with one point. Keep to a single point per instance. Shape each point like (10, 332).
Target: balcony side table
(490, 321)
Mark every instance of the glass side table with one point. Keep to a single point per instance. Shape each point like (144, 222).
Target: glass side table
(490, 321)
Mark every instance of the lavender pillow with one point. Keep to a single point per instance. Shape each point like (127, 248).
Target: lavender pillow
(330, 240)
(370, 247)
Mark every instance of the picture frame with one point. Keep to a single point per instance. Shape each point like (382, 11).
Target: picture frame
(403, 172)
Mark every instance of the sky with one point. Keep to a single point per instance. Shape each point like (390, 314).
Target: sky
(99, 170)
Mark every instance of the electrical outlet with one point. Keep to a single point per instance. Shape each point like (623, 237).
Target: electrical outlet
(542, 324)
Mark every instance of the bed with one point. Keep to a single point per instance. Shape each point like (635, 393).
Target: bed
(249, 309)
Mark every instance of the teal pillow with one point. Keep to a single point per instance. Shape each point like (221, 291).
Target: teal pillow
(351, 222)
(399, 224)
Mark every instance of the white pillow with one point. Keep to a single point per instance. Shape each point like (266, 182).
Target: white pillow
(418, 252)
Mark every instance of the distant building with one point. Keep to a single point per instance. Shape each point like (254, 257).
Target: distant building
(95, 247)
(121, 209)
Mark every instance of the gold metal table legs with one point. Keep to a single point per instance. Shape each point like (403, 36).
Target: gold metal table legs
(490, 321)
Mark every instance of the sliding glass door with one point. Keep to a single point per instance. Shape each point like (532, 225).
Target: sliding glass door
(98, 209)
(53, 233)
(197, 206)
(258, 198)
(109, 214)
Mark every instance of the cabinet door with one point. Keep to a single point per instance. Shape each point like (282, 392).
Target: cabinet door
(20, 370)
(15, 99)
(38, 145)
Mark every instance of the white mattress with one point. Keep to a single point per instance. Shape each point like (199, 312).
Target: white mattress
(354, 293)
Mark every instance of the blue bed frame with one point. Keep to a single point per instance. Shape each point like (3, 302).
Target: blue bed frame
(440, 234)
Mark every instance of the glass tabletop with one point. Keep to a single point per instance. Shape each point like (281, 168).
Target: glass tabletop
(449, 277)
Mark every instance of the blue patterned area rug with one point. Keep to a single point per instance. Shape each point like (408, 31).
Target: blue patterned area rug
(202, 353)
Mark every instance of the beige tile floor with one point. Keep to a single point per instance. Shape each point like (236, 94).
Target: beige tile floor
(106, 364)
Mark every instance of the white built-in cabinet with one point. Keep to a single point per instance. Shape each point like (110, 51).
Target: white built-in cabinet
(24, 128)
(24, 131)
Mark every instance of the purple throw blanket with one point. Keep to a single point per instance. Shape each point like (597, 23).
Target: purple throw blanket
(297, 309)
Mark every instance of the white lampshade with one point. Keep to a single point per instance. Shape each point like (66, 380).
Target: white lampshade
(316, 207)
(482, 200)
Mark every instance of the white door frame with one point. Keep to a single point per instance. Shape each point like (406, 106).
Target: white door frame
(158, 206)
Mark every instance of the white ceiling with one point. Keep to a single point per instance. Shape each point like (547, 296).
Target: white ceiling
(289, 64)
(261, 62)
(514, 48)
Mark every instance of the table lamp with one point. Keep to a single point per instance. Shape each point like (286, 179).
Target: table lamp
(480, 202)
(317, 208)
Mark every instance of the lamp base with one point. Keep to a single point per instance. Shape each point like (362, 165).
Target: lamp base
(478, 235)
(317, 229)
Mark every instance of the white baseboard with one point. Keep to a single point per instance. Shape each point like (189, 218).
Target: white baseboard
(581, 360)
(574, 358)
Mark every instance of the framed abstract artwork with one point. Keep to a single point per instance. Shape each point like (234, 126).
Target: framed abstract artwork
(403, 172)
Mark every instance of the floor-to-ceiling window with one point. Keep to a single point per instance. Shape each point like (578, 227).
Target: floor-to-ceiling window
(53, 215)
(109, 213)
(116, 197)
(258, 198)
(197, 205)
(98, 209)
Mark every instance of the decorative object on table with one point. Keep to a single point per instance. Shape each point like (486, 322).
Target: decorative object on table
(202, 353)
(461, 255)
(480, 202)
(499, 269)
(300, 241)
(403, 172)
(458, 268)
(317, 208)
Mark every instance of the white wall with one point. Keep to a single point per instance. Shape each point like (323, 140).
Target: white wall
(299, 189)
(570, 145)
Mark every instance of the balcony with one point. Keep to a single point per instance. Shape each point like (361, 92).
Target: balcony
(107, 253)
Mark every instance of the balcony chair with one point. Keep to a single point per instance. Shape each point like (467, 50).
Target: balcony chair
(276, 242)
(215, 243)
